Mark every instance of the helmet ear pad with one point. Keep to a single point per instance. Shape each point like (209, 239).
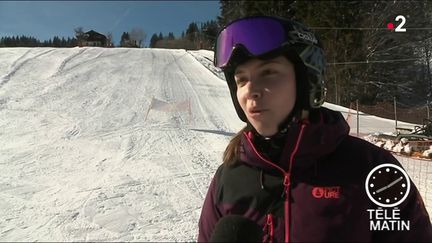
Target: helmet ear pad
(301, 77)
(302, 83)
(229, 76)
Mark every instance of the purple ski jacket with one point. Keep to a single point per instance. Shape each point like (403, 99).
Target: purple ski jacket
(315, 192)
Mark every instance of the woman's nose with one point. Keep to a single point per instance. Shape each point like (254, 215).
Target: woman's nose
(254, 90)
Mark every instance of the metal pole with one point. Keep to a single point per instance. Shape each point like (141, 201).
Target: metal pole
(358, 118)
(335, 73)
(394, 104)
(427, 109)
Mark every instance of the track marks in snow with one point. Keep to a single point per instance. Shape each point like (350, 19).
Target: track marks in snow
(120, 178)
(19, 64)
(20, 58)
(134, 146)
(69, 64)
(73, 132)
(66, 61)
(176, 146)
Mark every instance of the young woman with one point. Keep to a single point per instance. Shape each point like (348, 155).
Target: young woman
(293, 169)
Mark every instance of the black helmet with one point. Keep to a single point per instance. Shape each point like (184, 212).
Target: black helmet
(253, 37)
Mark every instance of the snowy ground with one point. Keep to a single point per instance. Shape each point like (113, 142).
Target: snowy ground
(79, 161)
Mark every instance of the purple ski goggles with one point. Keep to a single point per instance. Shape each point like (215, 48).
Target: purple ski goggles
(258, 35)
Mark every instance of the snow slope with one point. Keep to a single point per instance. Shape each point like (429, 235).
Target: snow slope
(80, 163)
(83, 158)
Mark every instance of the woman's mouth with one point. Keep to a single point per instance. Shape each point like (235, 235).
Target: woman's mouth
(257, 112)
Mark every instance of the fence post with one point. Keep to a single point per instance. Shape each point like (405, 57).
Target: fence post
(394, 104)
(148, 111)
(358, 118)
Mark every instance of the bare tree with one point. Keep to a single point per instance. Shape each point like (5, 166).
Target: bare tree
(109, 39)
(79, 34)
(138, 36)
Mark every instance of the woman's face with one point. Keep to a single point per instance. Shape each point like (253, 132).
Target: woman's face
(266, 91)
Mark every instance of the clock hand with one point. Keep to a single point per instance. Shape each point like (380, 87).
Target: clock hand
(389, 185)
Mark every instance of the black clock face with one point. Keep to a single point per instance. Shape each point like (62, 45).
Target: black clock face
(387, 185)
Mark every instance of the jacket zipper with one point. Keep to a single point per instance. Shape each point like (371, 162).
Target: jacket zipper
(270, 227)
(287, 184)
(287, 178)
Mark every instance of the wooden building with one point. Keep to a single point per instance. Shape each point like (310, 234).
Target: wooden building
(93, 38)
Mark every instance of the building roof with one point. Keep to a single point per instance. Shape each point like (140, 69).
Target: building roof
(94, 36)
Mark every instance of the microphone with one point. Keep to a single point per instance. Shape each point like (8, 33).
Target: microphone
(236, 228)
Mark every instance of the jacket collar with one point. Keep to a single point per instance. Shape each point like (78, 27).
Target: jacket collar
(320, 137)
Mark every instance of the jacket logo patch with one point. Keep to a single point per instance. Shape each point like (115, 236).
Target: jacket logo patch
(326, 192)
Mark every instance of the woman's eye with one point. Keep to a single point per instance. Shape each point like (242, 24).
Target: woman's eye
(240, 81)
(269, 72)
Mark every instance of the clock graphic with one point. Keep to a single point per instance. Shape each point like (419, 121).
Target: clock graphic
(387, 185)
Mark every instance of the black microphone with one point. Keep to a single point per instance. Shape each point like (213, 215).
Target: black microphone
(236, 228)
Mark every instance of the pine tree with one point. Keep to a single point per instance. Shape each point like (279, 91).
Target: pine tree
(231, 10)
(210, 29)
(153, 40)
(124, 40)
(171, 36)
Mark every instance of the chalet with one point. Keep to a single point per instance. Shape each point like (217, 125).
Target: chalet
(93, 38)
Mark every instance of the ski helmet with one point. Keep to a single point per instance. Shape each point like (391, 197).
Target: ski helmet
(266, 37)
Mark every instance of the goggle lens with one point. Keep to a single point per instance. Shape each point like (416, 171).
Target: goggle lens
(258, 35)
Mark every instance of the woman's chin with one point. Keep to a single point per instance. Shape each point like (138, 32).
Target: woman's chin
(265, 132)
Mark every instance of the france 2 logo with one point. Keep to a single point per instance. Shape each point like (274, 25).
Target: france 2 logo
(399, 28)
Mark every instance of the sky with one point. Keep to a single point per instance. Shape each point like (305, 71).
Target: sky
(46, 19)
